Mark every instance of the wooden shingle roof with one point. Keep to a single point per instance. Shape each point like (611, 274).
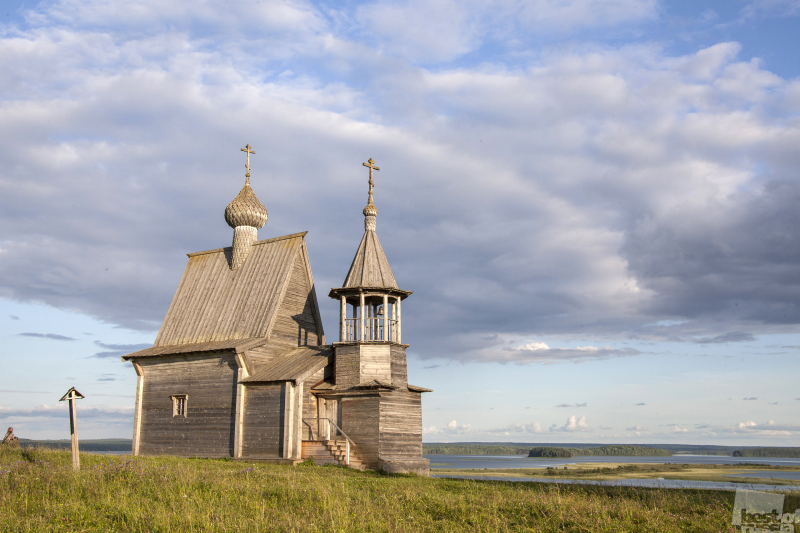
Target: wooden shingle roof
(237, 345)
(295, 365)
(370, 268)
(214, 303)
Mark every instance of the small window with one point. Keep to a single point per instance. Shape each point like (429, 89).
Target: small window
(179, 405)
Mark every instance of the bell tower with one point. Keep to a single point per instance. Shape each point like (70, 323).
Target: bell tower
(379, 410)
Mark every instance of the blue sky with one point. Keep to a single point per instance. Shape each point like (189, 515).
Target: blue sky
(594, 202)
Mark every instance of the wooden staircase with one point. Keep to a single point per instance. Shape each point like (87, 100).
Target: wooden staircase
(325, 452)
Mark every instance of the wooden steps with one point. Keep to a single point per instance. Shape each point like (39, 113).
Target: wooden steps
(326, 452)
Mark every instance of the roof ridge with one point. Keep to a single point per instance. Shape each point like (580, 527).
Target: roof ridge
(256, 243)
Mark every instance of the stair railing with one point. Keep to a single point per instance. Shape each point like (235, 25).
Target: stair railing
(347, 441)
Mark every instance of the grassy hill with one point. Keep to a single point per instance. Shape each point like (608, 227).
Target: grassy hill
(39, 492)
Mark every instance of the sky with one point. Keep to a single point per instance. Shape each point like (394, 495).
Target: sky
(595, 202)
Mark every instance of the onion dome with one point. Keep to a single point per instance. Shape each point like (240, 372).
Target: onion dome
(246, 209)
(370, 210)
(245, 214)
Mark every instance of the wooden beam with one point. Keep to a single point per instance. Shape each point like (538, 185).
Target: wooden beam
(137, 413)
(342, 319)
(386, 321)
(238, 423)
(297, 446)
(361, 323)
(399, 323)
(288, 419)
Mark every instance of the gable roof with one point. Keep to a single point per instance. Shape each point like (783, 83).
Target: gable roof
(295, 365)
(237, 345)
(370, 268)
(214, 303)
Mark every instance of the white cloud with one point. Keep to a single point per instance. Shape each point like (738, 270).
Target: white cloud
(452, 428)
(442, 30)
(770, 427)
(515, 429)
(572, 424)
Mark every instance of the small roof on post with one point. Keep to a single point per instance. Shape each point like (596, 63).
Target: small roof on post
(370, 269)
(72, 394)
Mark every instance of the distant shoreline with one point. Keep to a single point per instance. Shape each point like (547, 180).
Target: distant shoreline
(88, 445)
(486, 448)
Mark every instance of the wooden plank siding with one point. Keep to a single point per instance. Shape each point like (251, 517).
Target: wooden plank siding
(263, 420)
(347, 366)
(375, 363)
(209, 382)
(360, 421)
(401, 425)
(295, 324)
(399, 367)
(311, 429)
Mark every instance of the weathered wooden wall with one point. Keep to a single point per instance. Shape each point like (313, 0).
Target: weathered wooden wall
(347, 367)
(375, 363)
(401, 425)
(295, 323)
(399, 368)
(311, 429)
(360, 418)
(263, 420)
(209, 381)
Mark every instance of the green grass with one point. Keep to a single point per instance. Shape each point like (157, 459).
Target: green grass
(40, 492)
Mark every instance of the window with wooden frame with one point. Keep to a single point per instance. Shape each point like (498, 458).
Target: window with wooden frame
(179, 402)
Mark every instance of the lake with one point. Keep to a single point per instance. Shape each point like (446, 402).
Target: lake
(469, 462)
(522, 461)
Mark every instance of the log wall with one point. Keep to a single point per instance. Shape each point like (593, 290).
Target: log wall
(401, 425)
(263, 420)
(347, 366)
(360, 417)
(209, 382)
(295, 323)
(399, 368)
(375, 363)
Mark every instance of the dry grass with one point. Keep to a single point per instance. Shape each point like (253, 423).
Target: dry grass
(39, 492)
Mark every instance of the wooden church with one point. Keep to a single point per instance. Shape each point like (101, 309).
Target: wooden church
(240, 367)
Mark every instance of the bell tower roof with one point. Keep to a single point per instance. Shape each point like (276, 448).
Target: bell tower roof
(370, 268)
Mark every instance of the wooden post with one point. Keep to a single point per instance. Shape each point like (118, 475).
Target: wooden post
(361, 322)
(241, 391)
(137, 413)
(288, 419)
(343, 319)
(71, 396)
(386, 320)
(399, 322)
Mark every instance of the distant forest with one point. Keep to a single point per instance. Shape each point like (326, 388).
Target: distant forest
(88, 445)
(474, 449)
(768, 452)
(614, 450)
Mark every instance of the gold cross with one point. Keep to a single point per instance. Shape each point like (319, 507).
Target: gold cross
(247, 165)
(371, 166)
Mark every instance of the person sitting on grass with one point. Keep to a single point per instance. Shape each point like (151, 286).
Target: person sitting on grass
(10, 439)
